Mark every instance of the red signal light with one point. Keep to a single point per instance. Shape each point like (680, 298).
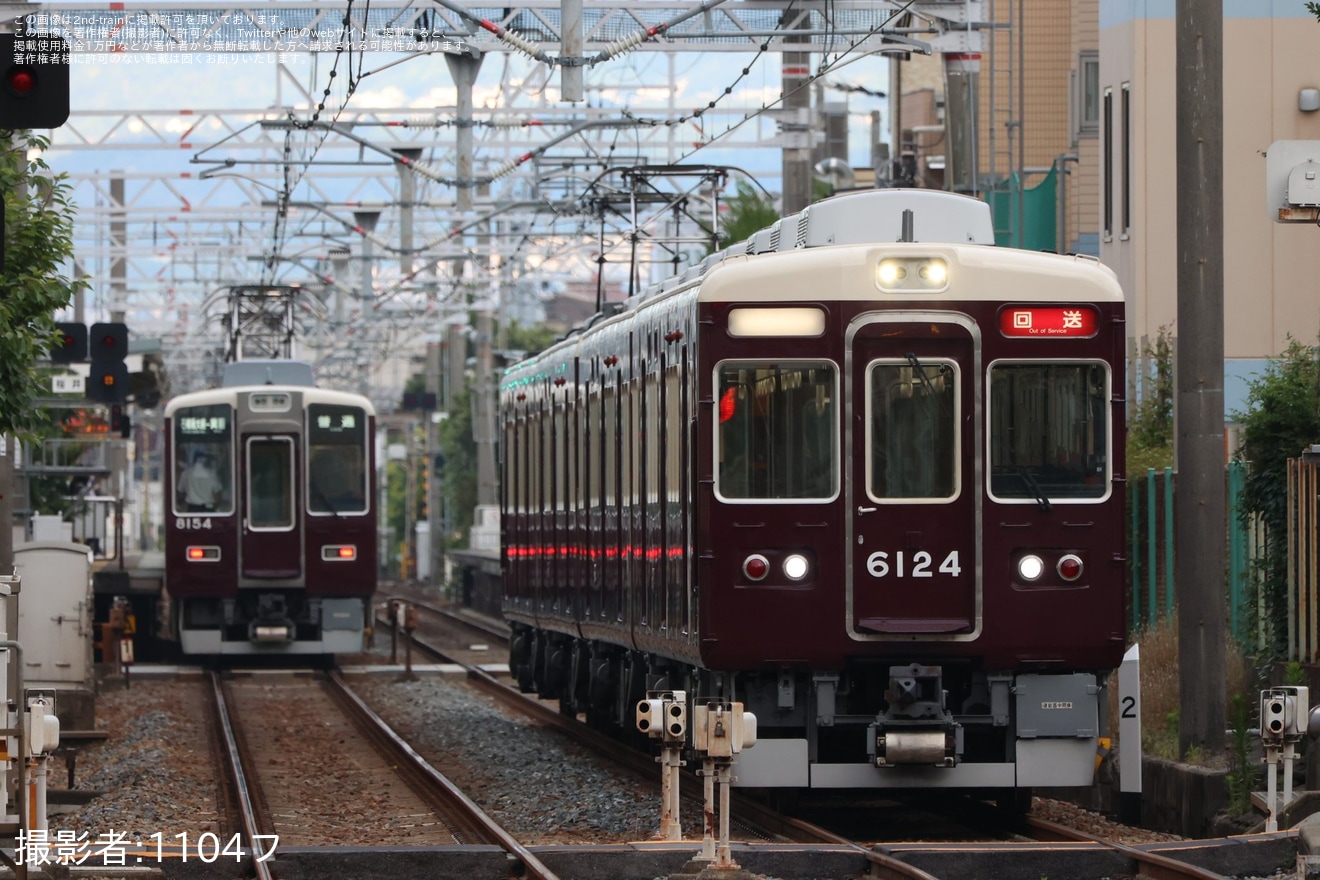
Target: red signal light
(21, 82)
(728, 404)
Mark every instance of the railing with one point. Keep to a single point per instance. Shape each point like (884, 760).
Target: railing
(1151, 553)
(1304, 558)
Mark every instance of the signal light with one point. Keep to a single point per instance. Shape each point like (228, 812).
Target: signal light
(108, 345)
(34, 81)
(203, 554)
(70, 343)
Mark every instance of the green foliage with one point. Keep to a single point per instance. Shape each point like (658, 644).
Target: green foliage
(530, 340)
(1293, 674)
(460, 471)
(1152, 425)
(1241, 778)
(1314, 9)
(1162, 742)
(750, 210)
(38, 241)
(1282, 418)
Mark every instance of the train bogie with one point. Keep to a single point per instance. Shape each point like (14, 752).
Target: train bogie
(866, 487)
(271, 546)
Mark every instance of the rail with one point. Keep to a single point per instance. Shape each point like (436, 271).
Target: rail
(246, 804)
(1145, 864)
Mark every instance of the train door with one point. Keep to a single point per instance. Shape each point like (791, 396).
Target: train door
(271, 547)
(913, 480)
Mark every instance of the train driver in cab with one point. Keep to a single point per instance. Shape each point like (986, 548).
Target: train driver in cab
(201, 487)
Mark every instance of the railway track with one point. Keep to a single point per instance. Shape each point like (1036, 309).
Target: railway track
(763, 821)
(370, 786)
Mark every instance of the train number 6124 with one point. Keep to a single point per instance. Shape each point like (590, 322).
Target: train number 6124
(917, 565)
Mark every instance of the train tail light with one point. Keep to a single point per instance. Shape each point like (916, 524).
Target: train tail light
(203, 554)
(1030, 567)
(795, 567)
(756, 567)
(1070, 567)
(339, 553)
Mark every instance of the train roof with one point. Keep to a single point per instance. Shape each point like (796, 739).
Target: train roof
(1001, 274)
(229, 394)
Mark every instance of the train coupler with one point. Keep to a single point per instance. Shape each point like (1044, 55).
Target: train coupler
(914, 728)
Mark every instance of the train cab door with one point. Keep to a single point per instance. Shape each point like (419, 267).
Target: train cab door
(913, 477)
(271, 546)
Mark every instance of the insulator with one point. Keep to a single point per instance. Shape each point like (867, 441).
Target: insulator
(506, 169)
(618, 47)
(425, 122)
(530, 49)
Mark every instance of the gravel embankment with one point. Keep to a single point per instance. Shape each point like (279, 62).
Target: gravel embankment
(158, 772)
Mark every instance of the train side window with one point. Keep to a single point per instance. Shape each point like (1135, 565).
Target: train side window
(912, 430)
(776, 431)
(336, 459)
(270, 483)
(1049, 431)
(203, 459)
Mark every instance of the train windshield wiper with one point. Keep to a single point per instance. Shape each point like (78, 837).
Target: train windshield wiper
(1035, 488)
(324, 500)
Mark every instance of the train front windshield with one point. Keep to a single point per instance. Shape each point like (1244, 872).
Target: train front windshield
(337, 459)
(203, 459)
(777, 431)
(1049, 424)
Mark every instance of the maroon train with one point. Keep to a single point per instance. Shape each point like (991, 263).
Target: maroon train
(270, 541)
(858, 472)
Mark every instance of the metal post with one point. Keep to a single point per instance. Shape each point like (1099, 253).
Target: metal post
(1199, 408)
(1151, 585)
(707, 853)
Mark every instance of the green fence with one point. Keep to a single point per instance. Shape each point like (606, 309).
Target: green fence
(1039, 207)
(1151, 545)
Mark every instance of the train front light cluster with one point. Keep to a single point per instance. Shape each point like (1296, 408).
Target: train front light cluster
(909, 274)
(1031, 566)
(794, 567)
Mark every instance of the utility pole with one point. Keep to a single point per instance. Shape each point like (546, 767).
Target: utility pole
(797, 128)
(1199, 531)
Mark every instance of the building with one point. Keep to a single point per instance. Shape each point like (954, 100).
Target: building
(1271, 270)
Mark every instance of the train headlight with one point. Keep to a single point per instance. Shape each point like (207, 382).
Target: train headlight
(912, 274)
(756, 567)
(795, 567)
(1030, 567)
(203, 554)
(935, 272)
(890, 272)
(1070, 567)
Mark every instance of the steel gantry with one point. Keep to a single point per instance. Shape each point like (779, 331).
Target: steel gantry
(468, 196)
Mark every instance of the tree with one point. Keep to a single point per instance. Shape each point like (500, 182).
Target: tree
(1282, 418)
(1314, 9)
(38, 242)
(750, 210)
(1150, 430)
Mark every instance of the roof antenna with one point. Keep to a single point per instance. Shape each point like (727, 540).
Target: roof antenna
(906, 235)
(270, 378)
